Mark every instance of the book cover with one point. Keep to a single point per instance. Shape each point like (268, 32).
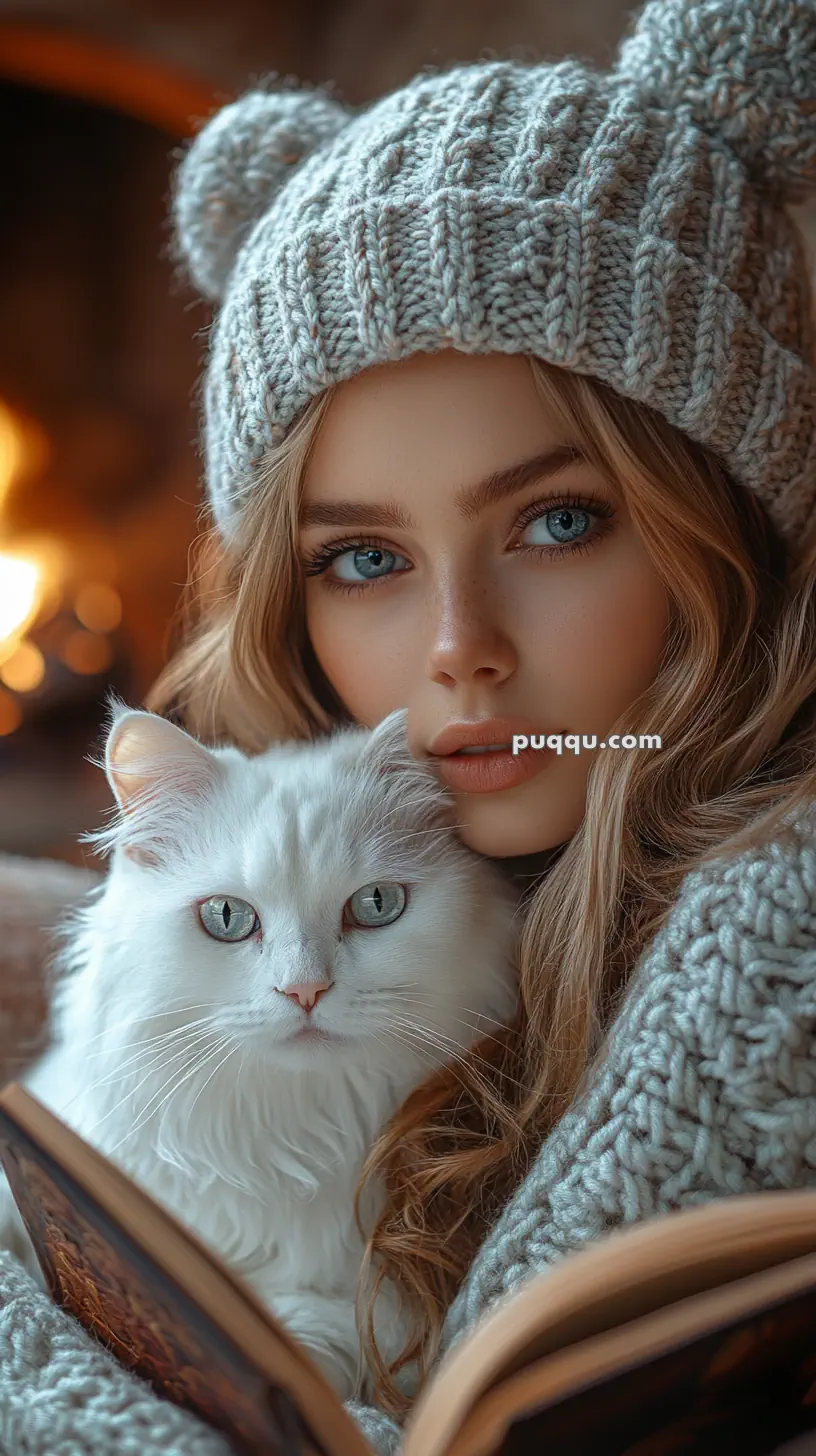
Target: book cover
(744, 1388)
(151, 1324)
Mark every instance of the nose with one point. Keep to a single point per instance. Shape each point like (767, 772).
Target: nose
(307, 993)
(468, 644)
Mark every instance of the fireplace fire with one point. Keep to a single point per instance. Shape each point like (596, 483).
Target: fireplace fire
(100, 352)
(21, 578)
(50, 607)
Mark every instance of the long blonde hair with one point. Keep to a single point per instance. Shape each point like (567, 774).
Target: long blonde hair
(734, 700)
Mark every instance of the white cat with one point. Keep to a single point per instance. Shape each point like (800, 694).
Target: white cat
(283, 948)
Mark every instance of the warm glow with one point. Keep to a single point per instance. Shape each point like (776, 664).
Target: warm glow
(31, 581)
(23, 448)
(84, 652)
(25, 579)
(20, 592)
(98, 607)
(25, 669)
(10, 714)
(12, 450)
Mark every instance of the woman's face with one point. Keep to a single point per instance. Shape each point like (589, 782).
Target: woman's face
(449, 575)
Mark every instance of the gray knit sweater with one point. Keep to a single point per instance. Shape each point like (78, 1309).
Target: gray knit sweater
(708, 1089)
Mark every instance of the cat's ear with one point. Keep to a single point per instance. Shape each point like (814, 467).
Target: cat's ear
(387, 745)
(388, 750)
(146, 753)
(414, 795)
(158, 774)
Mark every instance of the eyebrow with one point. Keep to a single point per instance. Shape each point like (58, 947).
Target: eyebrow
(470, 500)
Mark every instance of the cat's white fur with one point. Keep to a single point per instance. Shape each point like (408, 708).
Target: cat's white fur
(253, 1140)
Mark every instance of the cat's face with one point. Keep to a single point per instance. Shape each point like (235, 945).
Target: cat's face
(311, 904)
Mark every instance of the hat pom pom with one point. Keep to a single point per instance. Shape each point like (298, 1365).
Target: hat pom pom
(745, 69)
(234, 167)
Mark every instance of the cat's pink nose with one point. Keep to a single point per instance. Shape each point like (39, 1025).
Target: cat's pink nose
(306, 993)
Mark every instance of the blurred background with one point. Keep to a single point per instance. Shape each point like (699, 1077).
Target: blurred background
(101, 343)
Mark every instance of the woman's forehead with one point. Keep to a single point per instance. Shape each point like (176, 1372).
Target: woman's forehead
(453, 417)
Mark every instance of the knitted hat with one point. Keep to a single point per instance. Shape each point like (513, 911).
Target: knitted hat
(629, 226)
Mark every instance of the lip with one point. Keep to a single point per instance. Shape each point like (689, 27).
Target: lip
(478, 732)
(487, 773)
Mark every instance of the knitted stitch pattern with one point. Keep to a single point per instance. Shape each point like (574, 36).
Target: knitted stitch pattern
(708, 1089)
(630, 226)
(709, 1083)
(61, 1394)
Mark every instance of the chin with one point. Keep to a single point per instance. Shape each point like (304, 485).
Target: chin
(509, 829)
(314, 1050)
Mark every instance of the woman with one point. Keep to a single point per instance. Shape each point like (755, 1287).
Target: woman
(510, 420)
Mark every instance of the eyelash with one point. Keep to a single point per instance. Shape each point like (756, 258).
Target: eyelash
(318, 563)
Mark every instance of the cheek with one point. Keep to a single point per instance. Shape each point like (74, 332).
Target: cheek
(199, 970)
(367, 652)
(625, 644)
(604, 645)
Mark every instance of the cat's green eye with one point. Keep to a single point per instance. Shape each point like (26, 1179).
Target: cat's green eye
(377, 904)
(225, 917)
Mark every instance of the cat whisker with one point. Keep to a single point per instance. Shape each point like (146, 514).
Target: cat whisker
(252, 1162)
(156, 1065)
(443, 830)
(152, 1068)
(388, 990)
(149, 1054)
(455, 1053)
(450, 1062)
(163, 1036)
(196, 1062)
(513, 1081)
(128, 1020)
(109, 1079)
(480, 1015)
(480, 1033)
(440, 831)
(398, 1036)
(408, 802)
(426, 1035)
(406, 807)
(428, 1028)
(380, 1039)
(233, 1047)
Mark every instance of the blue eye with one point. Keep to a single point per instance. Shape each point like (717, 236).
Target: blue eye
(563, 525)
(368, 562)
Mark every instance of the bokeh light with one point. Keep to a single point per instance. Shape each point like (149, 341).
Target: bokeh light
(25, 669)
(98, 607)
(87, 652)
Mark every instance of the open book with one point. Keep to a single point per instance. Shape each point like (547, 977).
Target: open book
(692, 1332)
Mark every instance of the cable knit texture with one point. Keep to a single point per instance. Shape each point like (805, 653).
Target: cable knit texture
(709, 1085)
(628, 225)
(61, 1394)
(708, 1089)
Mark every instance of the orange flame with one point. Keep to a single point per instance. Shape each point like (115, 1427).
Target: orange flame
(24, 575)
